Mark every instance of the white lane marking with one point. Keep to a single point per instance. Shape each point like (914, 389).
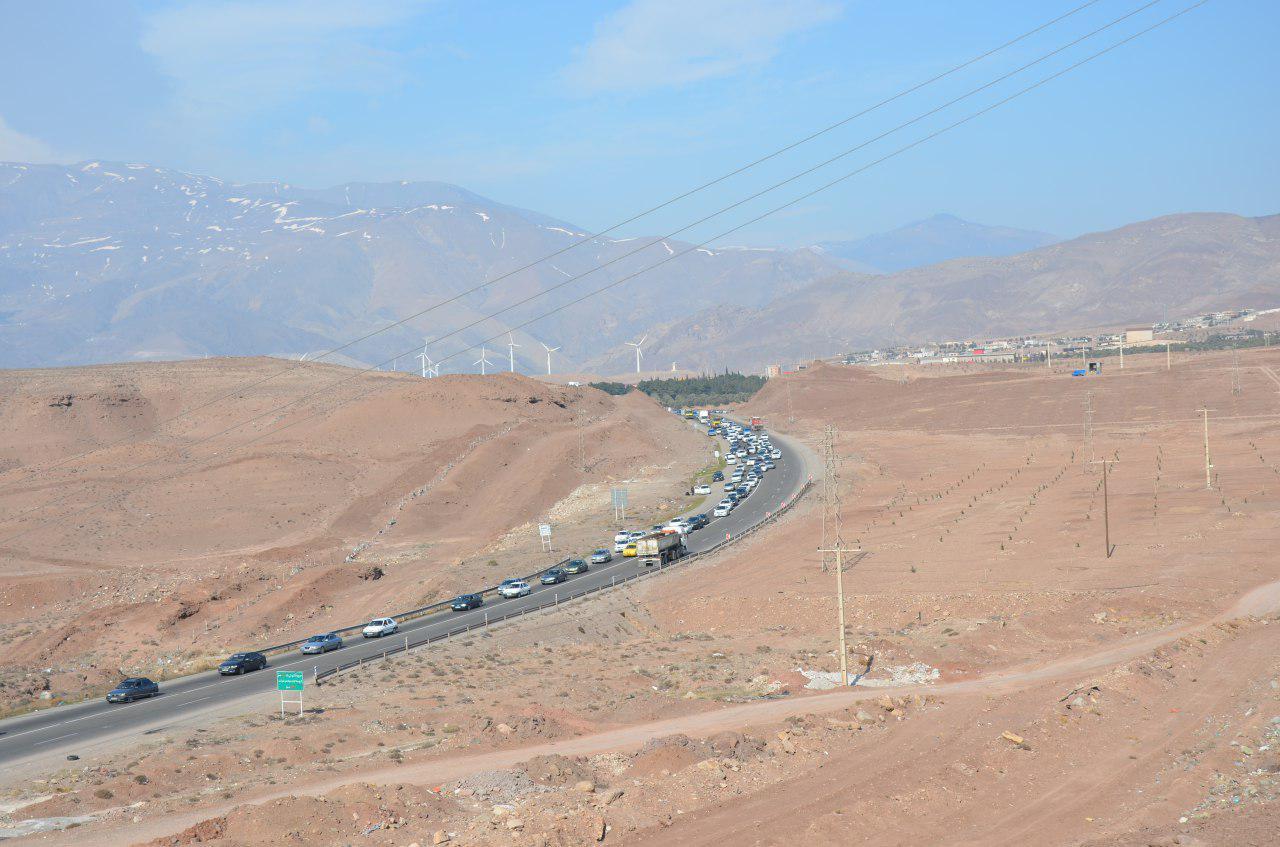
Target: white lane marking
(226, 680)
(51, 740)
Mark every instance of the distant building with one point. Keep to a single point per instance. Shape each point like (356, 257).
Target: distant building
(772, 370)
(1138, 335)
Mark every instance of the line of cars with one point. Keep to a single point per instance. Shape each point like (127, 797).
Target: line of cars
(748, 449)
(751, 454)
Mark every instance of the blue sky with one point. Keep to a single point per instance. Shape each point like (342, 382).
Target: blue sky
(590, 112)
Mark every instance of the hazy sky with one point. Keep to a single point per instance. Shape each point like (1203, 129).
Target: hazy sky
(591, 112)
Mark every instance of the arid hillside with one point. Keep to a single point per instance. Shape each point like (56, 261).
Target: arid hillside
(1016, 685)
(1141, 273)
(144, 528)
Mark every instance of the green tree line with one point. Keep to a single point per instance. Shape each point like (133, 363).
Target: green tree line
(706, 390)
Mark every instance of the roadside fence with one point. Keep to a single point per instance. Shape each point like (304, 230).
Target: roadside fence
(407, 644)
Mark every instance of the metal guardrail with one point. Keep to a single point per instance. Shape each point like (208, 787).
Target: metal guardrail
(556, 601)
(412, 614)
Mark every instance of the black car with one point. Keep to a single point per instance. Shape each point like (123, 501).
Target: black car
(699, 520)
(467, 601)
(242, 663)
(553, 576)
(577, 566)
(718, 476)
(134, 688)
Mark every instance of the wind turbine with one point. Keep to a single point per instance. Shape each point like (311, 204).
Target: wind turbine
(511, 352)
(549, 350)
(429, 367)
(426, 361)
(636, 344)
(483, 361)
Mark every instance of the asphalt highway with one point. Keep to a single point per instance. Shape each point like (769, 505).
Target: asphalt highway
(68, 729)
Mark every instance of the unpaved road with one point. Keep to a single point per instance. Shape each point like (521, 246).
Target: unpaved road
(1262, 600)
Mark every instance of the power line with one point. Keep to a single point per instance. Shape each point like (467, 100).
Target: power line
(674, 255)
(591, 237)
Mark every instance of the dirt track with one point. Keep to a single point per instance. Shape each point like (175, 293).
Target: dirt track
(741, 821)
(1136, 680)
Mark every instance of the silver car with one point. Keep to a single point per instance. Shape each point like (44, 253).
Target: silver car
(322, 643)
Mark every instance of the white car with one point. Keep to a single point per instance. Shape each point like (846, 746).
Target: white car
(514, 588)
(776, 454)
(720, 511)
(379, 627)
(730, 459)
(702, 489)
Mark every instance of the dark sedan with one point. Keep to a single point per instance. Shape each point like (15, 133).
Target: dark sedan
(134, 688)
(553, 576)
(242, 663)
(466, 601)
(577, 566)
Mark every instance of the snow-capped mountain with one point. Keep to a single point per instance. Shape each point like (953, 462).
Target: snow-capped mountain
(109, 261)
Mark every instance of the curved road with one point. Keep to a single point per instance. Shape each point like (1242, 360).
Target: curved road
(75, 729)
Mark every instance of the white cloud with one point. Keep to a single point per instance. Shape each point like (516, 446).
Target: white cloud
(238, 57)
(16, 147)
(652, 44)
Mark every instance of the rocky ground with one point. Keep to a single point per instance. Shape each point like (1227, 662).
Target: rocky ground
(1016, 685)
(131, 545)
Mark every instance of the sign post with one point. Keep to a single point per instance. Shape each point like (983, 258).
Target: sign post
(544, 532)
(618, 497)
(287, 681)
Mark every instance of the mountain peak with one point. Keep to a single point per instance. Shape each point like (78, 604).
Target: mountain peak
(939, 238)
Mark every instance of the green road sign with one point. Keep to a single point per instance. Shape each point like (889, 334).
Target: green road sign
(289, 681)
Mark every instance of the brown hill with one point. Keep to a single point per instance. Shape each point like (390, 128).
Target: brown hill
(313, 516)
(1141, 273)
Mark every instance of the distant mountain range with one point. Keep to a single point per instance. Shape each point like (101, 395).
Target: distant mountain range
(108, 261)
(1138, 274)
(927, 242)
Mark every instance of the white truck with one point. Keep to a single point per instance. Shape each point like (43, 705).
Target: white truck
(660, 547)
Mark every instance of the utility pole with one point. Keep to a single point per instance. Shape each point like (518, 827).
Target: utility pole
(1106, 507)
(1122, 354)
(831, 530)
(1048, 354)
(1208, 480)
(830, 492)
(1088, 423)
(1236, 388)
(1168, 356)
(839, 550)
